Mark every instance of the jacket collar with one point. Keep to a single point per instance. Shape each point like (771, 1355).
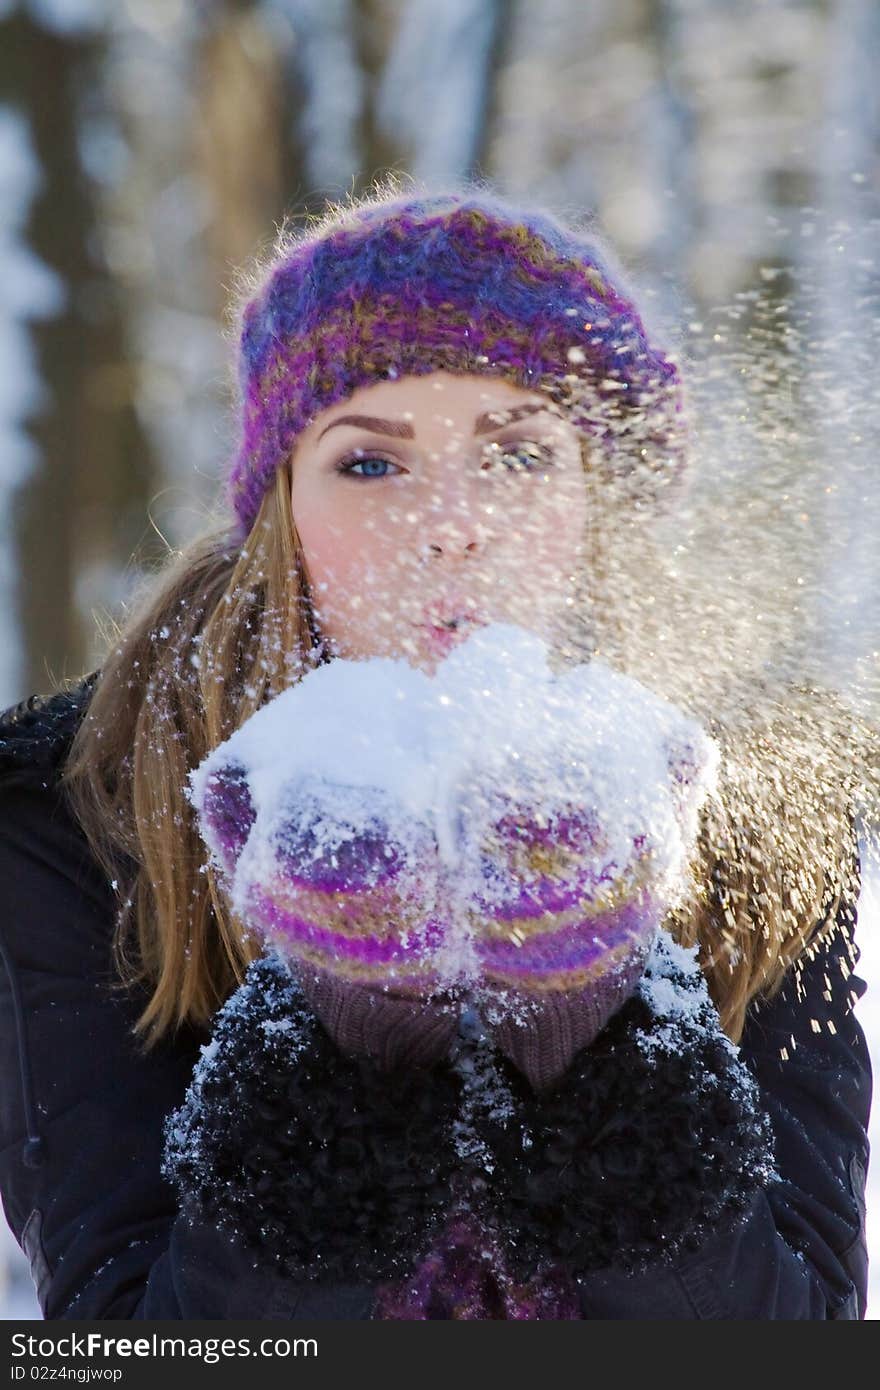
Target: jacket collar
(336, 1169)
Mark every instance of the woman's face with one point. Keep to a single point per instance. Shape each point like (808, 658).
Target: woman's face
(432, 503)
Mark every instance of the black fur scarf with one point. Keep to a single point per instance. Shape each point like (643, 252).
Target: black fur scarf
(338, 1171)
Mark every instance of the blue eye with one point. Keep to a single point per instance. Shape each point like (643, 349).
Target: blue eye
(538, 455)
(347, 467)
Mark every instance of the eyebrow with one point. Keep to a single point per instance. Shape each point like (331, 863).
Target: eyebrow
(401, 429)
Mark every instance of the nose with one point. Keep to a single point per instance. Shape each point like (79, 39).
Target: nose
(471, 548)
(452, 525)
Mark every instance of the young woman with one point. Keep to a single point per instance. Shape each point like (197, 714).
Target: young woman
(452, 416)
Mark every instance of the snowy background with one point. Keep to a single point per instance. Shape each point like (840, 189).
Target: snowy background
(729, 148)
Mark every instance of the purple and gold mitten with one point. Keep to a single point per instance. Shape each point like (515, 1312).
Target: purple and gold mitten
(316, 817)
(576, 830)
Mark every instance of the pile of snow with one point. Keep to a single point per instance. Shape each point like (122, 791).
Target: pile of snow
(426, 765)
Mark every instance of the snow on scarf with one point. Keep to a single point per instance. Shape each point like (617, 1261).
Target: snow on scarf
(455, 1190)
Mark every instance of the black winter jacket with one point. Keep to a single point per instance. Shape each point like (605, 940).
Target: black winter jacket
(84, 1120)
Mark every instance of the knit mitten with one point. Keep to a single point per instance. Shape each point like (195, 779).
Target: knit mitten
(346, 907)
(576, 841)
(316, 830)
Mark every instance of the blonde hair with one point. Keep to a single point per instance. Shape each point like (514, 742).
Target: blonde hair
(225, 628)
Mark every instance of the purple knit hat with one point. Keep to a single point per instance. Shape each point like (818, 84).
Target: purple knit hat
(464, 282)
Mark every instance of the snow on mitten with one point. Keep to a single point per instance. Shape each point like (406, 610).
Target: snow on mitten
(493, 833)
(315, 812)
(576, 827)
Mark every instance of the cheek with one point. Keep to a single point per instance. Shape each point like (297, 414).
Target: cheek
(329, 537)
(349, 560)
(550, 530)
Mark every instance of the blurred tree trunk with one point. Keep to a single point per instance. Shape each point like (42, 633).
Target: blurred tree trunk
(376, 21)
(436, 87)
(91, 453)
(328, 87)
(249, 167)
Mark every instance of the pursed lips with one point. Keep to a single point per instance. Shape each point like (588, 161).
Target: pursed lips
(452, 627)
(451, 615)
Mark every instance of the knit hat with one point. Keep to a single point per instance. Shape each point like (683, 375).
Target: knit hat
(463, 282)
